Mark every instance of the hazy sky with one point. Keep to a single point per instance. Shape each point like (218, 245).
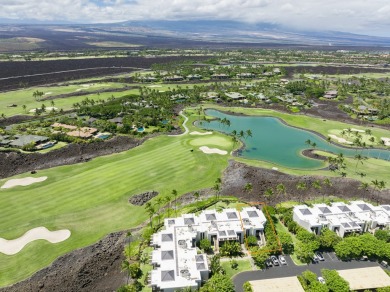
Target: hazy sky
(359, 16)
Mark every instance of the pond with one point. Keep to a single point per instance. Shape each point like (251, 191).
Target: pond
(281, 144)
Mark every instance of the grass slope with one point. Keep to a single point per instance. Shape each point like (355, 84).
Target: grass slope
(91, 199)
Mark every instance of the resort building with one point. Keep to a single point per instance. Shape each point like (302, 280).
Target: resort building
(355, 217)
(331, 94)
(175, 259)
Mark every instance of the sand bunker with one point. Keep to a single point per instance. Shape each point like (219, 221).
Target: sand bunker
(23, 181)
(201, 134)
(340, 140)
(47, 109)
(386, 140)
(153, 86)
(208, 150)
(355, 130)
(10, 247)
(47, 93)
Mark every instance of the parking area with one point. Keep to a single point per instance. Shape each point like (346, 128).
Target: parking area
(326, 258)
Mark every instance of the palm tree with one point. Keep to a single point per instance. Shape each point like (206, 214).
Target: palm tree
(268, 193)
(327, 182)
(281, 189)
(151, 211)
(316, 184)
(363, 186)
(174, 193)
(301, 186)
(248, 133)
(158, 203)
(248, 187)
(308, 142)
(126, 267)
(358, 157)
(24, 107)
(196, 195)
(168, 199)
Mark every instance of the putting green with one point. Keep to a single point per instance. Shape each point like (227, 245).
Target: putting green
(212, 140)
(91, 199)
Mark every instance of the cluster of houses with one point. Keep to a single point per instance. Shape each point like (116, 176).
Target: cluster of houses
(215, 76)
(20, 141)
(175, 259)
(355, 217)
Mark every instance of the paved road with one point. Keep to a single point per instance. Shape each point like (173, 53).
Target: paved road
(289, 270)
(184, 126)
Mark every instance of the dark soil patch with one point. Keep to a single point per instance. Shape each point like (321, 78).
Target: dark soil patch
(141, 199)
(16, 163)
(93, 268)
(237, 175)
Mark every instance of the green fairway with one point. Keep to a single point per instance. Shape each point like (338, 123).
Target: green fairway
(91, 199)
(25, 97)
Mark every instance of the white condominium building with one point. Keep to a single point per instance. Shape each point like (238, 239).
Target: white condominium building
(357, 216)
(175, 259)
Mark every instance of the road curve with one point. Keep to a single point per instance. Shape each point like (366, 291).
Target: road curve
(184, 126)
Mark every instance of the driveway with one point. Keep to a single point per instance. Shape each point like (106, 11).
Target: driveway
(331, 262)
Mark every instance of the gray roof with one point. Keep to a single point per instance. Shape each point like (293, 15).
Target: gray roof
(231, 232)
(344, 209)
(232, 215)
(222, 233)
(200, 266)
(386, 207)
(199, 258)
(252, 214)
(305, 211)
(167, 276)
(189, 221)
(27, 139)
(167, 237)
(211, 217)
(167, 255)
(234, 95)
(364, 207)
(325, 210)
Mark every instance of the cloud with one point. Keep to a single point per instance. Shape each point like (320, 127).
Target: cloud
(359, 16)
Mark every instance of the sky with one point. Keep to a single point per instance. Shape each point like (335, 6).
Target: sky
(358, 16)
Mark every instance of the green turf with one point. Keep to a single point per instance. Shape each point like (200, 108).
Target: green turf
(25, 97)
(243, 265)
(91, 199)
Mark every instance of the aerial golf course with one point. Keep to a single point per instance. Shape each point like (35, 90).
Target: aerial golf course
(91, 199)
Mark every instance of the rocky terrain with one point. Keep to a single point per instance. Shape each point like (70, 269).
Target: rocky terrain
(237, 175)
(141, 199)
(13, 163)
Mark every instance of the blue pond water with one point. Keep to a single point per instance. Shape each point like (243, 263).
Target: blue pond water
(278, 143)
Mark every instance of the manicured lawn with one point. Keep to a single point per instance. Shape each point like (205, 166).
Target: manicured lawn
(25, 97)
(91, 199)
(243, 265)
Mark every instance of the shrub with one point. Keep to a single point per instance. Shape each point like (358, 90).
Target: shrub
(251, 240)
(205, 244)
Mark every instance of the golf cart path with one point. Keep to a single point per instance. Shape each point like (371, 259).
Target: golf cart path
(184, 126)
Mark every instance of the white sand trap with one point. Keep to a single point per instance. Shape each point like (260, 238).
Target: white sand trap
(10, 247)
(355, 130)
(23, 182)
(386, 140)
(200, 134)
(340, 140)
(152, 86)
(48, 109)
(47, 93)
(208, 150)
(275, 168)
(87, 85)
